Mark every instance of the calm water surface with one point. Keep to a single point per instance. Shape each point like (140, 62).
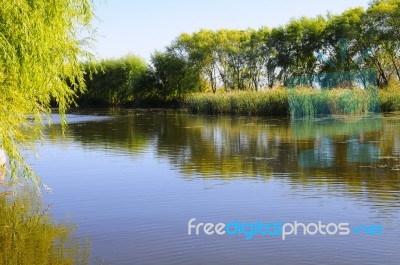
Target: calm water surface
(131, 181)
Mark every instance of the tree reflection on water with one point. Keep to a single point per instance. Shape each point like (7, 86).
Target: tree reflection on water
(30, 235)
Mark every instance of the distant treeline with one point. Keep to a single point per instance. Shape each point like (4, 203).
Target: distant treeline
(356, 48)
(130, 81)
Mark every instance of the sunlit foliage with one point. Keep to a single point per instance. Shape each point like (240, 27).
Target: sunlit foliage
(40, 52)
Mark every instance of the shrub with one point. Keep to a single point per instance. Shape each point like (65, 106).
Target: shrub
(112, 81)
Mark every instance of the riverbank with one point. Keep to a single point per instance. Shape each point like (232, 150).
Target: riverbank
(296, 102)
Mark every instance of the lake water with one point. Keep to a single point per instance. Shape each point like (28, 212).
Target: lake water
(132, 180)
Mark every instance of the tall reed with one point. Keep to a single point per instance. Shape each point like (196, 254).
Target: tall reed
(272, 102)
(298, 102)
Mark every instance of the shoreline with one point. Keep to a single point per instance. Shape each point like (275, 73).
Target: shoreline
(301, 102)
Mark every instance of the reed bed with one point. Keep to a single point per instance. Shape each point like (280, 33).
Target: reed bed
(389, 98)
(273, 102)
(298, 102)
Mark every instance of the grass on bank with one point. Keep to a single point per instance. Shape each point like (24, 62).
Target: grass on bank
(299, 102)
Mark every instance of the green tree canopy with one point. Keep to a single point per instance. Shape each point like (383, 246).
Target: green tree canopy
(336, 50)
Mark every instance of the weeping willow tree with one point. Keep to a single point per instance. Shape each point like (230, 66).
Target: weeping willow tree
(40, 51)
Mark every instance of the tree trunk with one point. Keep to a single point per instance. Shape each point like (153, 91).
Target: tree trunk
(381, 71)
(395, 66)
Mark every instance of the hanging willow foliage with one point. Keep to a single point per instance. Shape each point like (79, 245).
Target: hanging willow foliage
(40, 52)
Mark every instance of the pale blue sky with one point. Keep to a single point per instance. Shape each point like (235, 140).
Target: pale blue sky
(141, 27)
